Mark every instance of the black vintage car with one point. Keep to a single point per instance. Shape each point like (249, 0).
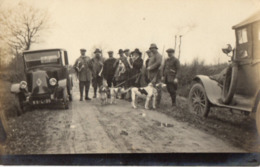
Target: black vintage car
(47, 78)
(238, 86)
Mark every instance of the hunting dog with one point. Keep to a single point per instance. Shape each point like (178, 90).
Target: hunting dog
(149, 92)
(114, 92)
(103, 91)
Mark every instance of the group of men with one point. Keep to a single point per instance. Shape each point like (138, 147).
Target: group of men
(128, 70)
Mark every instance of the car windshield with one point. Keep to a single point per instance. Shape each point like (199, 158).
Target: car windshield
(42, 58)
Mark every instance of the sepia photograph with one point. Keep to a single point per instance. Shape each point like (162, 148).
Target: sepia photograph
(129, 76)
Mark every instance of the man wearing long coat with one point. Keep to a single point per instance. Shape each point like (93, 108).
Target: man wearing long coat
(83, 68)
(97, 63)
(109, 70)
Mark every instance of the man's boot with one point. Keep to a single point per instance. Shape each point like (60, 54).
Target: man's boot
(81, 98)
(86, 97)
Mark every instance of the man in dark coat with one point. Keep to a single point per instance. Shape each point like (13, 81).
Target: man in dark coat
(136, 70)
(83, 68)
(109, 70)
(97, 63)
(170, 73)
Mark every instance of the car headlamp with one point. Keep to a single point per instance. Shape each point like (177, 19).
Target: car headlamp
(53, 81)
(23, 84)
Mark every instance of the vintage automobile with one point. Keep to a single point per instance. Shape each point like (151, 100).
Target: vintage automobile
(47, 79)
(238, 86)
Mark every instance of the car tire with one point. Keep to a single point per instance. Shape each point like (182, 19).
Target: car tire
(230, 83)
(258, 118)
(198, 101)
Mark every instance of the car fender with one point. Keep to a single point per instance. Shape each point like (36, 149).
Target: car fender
(212, 88)
(15, 88)
(257, 99)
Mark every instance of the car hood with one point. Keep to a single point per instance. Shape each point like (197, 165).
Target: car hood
(38, 79)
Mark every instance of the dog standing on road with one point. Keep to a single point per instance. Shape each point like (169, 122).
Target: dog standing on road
(149, 92)
(103, 91)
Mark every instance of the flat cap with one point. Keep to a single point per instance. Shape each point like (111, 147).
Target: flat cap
(97, 51)
(153, 45)
(83, 50)
(170, 50)
(110, 52)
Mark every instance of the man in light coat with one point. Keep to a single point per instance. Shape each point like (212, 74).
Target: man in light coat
(83, 68)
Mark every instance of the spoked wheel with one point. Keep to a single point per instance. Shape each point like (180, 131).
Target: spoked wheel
(198, 101)
(258, 118)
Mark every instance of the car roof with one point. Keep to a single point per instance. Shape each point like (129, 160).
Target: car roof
(253, 18)
(42, 50)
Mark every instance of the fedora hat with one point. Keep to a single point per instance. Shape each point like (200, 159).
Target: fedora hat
(97, 51)
(120, 51)
(153, 45)
(137, 51)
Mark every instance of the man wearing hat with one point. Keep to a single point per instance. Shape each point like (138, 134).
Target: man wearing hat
(97, 63)
(170, 71)
(83, 68)
(149, 54)
(153, 68)
(109, 70)
(137, 65)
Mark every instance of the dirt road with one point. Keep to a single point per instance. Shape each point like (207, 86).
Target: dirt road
(88, 127)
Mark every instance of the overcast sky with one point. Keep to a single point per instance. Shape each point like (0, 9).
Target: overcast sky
(206, 25)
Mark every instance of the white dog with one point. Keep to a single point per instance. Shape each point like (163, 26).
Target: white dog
(149, 92)
(114, 92)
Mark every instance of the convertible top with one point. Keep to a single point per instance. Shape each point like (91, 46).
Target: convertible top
(42, 50)
(253, 18)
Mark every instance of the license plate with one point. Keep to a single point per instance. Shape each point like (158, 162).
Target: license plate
(45, 101)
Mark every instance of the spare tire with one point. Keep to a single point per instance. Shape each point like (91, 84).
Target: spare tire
(230, 83)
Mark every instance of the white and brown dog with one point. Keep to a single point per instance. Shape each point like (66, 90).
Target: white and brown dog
(149, 92)
(114, 92)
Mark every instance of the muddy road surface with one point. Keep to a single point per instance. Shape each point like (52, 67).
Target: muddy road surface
(89, 127)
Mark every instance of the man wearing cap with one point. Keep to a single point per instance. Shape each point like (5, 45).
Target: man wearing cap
(97, 63)
(122, 70)
(83, 68)
(170, 73)
(109, 70)
(153, 69)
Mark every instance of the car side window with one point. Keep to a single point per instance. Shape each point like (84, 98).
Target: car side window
(62, 57)
(242, 36)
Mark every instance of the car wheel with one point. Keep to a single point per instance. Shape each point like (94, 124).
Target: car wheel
(258, 118)
(230, 83)
(65, 99)
(198, 101)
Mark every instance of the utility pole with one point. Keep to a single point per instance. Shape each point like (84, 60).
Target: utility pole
(180, 48)
(175, 42)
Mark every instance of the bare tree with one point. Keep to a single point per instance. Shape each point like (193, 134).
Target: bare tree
(21, 26)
